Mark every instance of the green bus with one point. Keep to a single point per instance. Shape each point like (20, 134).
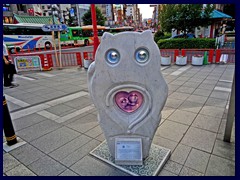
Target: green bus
(80, 35)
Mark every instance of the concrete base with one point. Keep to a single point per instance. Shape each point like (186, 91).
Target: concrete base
(8, 148)
(152, 165)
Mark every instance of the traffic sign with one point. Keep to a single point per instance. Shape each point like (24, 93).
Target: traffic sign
(54, 27)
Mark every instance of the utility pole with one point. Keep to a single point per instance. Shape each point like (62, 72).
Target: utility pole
(95, 32)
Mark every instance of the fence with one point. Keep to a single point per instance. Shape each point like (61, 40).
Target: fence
(75, 58)
(213, 55)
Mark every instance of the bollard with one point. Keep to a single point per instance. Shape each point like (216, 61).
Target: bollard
(205, 59)
(9, 132)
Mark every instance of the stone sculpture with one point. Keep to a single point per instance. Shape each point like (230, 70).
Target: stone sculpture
(127, 87)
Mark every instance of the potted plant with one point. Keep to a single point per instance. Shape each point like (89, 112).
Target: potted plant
(87, 62)
(181, 60)
(197, 60)
(165, 60)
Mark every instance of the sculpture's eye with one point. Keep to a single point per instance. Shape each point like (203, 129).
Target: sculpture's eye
(113, 56)
(142, 55)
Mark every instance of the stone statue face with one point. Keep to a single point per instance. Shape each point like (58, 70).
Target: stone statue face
(127, 87)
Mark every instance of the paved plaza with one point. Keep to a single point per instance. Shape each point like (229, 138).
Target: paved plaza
(56, 124)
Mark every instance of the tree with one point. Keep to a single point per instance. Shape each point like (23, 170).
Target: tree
(87, 17)
(184, 17)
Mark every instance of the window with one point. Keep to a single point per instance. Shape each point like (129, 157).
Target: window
(14, 30)
(75, 33)
(43, 7)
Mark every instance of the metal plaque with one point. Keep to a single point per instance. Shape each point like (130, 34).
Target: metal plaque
(128, 151)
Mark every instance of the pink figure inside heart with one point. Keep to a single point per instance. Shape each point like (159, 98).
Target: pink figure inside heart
(129, 101)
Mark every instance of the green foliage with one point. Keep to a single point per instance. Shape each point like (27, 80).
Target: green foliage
(87, 17)
(184, 16)
(161, 35)
(182, 43)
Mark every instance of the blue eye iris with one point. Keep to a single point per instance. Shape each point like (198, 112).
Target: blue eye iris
(142, 55)
(113, 56)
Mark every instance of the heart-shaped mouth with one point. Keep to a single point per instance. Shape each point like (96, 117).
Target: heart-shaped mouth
(129, 101)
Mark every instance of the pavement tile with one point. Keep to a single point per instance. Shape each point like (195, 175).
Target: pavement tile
(79, 153)
(218, 166)
(183, 117)
(191, 106)
(35, 100)
(37, 130)
(27, 121)
(26, 154)
(224, 84)
(160, 141)
(79, 103)
(210, 81)
(84, 123)
(9, 162)
(172, 167)
(207, 122)
(172, 87)
(166, 112)
(185, 89)
(216, 102)
(55, 139)
(89, 166)
(177, 82)
(220, 94)
(189, 172)
(173, 103)
(213, 111)
(11, 106)
(68, 173)
(224, 149)
(172, 130)
(20, 170)
(94, 132)
(69, 147)
(100, 137)
(202, 92)
(199, 139)
(60, 110)
(164, 172)
(180, 154)
(206, 86)
(46, 166)
(191, 84)
(197, 99)
(197, 160)
(178, 95)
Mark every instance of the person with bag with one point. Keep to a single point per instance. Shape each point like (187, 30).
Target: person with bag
(8, 70)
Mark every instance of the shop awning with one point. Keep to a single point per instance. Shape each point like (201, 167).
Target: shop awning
(219, 15)
(35, 19)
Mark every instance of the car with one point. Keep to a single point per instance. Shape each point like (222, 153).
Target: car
(189, 35)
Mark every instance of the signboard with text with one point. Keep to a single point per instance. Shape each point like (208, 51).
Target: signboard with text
(54, 27)
(26, 63)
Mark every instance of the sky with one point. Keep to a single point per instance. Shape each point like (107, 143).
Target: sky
(146, 10)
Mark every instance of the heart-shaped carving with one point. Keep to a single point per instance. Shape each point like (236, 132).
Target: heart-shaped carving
(129, 101)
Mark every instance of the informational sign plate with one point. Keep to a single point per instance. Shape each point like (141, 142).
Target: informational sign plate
(128, 151)
(54, 27)
(25, 63)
